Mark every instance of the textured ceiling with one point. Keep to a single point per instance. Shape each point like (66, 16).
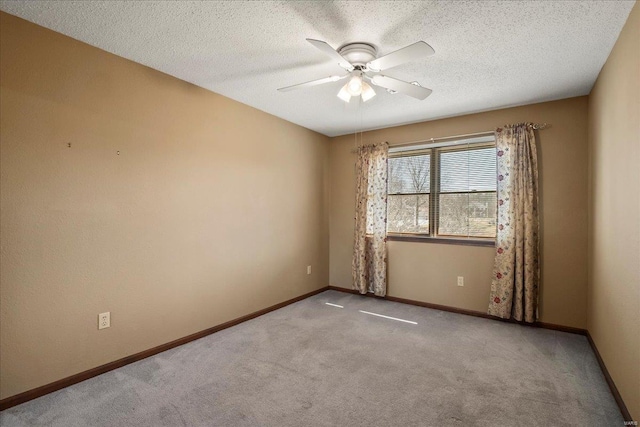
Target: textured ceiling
(489, 55)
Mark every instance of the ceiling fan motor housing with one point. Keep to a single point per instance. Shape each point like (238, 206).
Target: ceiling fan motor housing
(358, 54)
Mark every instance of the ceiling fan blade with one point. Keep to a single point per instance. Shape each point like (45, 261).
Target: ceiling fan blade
(313, 83)
(328, 50)
(415, 51)
(406, 88)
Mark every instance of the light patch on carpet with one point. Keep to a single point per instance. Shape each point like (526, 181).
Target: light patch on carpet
(334, 305)
(388, 317)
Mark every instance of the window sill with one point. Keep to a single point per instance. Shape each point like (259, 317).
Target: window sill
(443, 240)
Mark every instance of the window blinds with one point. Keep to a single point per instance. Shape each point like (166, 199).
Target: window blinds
(467, 196)
(447, 191)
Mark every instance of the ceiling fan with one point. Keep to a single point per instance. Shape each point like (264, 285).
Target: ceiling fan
(360, 62)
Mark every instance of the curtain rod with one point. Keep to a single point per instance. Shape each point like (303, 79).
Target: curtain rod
(535, 126)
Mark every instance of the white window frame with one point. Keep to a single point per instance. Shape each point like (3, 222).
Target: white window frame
(434, 150)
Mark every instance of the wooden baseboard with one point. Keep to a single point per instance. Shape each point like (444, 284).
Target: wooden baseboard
(17, 399)
(612, 386)
(544, 325)
(614, 390)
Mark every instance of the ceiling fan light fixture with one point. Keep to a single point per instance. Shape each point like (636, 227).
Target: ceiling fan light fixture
(367, 92)
(354, 87)
(344, 93)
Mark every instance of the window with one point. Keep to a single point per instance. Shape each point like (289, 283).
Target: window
(445, 190)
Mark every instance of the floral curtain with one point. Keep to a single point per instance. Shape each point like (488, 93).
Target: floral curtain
(516, 272)
(369, 266)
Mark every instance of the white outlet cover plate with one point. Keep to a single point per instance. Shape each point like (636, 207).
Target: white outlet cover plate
(104, 320)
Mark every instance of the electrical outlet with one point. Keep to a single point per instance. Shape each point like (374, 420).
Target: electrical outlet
(308, 269)
(104, 320)
(460, 281)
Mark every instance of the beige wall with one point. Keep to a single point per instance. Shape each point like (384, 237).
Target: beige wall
(614, 220)
(211, 211)
(428, 271)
